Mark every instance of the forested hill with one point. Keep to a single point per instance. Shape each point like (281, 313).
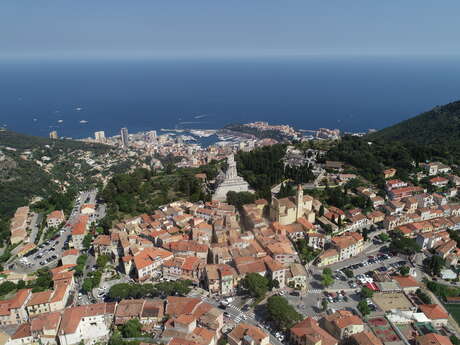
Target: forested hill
(28, 142)
(33, 166)
(439, 127)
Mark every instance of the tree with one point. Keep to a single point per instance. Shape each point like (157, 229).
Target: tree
(423, 296)
(404, 270)
(324, 304)
(256, 284)
(7, 287)
(87, 240)
(366, 292)
(131, 329)
(384, 237)
(327, 279)
(281, 312)
(404, 245)
(321, 211)
(363, 308)
(454, 339)
(87, 285)
(349, 273)
(434, 265)
(102, 260)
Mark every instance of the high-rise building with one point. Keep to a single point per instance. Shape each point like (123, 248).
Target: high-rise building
(124, 137)
(54, 135)
(151, 136)
(99, 136)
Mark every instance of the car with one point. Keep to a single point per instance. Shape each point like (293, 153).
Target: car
(42, 263)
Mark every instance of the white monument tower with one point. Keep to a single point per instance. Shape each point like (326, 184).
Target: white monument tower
(230, 182)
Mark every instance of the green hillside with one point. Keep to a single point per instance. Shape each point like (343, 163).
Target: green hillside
(437, 130)
(33, 166)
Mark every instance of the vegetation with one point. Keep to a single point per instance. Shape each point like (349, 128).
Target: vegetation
(43, 282)
(263, 167)
(306, 253)
(102, 261)
(433, 265)
(125, 290)
(256, 284)
(142, 191)
(131, 329)
(349, 273)
(404, 271)
(81, 262)
(442, 290)
(435, 131)
(366, 292)
(241, 198)
(404, 245)
(424, 297)
(363, 308)
(281, 312)
(326, 278)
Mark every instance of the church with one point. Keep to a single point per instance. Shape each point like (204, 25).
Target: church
(288, 210)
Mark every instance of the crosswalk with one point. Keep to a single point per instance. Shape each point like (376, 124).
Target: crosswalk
(238, 309)
(314, 291)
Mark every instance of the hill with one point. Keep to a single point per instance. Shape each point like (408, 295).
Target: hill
(437, 130)
(39, 167)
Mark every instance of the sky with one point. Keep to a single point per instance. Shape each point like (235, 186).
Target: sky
(189, 28)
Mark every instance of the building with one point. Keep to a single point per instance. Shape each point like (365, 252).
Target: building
(124, 137)
(99, 136)
(220, 279)
(342, 324)
(433, 339)
(291, 209)
(437, 315)
(365, 338)
(248, 334)
(87, 324)
(348, 245)
(230, 181)
(55, 218)
(13, 310)
(54, 135)
(308, 332)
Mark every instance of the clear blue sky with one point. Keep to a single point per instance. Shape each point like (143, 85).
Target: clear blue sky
(123, 28)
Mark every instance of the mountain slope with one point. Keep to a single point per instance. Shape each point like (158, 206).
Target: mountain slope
(38, 167)
(439, 126)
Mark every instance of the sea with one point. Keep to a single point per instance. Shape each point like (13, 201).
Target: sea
(79, 97)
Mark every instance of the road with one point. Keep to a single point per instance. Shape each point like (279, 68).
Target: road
(50, 252)
(234, 315)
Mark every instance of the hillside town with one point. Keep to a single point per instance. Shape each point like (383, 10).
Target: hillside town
(290, 270)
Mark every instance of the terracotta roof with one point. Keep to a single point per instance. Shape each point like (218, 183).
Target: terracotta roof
(405, 282)
(148, 256)
(22, 332)
(56, 215)
(433, 311)
(433, 339)
(344, 318)
(244, 329)
(40, 297)
(366, 338)
(19, 299)
(48, 321)
(310, 330)
(70, 252)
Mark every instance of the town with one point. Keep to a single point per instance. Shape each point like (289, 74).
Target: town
(379, 268)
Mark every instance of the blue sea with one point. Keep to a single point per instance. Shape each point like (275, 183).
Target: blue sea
(349, 93)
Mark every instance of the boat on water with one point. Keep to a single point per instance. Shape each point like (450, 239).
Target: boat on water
(83, 121)
(78, 108)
